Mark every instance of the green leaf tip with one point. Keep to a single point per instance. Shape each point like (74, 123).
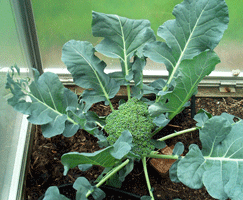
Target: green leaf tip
(52, 193)
(84, 189)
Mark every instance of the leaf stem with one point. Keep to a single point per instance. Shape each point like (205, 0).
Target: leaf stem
(111, 106)
(162, 156)
(108, 175)
(178, 133)
(156, 131)
(128, 92)
(125, 57)
(99, 125)
(116, 169)
(147, 177)
(175, 68)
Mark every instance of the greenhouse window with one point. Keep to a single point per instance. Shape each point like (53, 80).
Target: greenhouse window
(58, 22)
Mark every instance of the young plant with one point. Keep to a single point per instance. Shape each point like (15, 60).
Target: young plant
(126, 134)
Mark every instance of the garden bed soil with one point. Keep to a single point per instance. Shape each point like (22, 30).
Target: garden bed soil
(45, 168)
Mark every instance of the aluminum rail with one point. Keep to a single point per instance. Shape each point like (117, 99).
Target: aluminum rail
(217, 84)
(27, 32)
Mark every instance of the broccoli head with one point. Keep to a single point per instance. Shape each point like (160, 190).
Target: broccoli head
(134, 117)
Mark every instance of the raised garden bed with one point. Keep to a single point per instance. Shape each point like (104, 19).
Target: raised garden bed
(45, 168)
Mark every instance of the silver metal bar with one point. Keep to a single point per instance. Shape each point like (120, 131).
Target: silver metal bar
(215, 79)
(27, 32)
(217, 84)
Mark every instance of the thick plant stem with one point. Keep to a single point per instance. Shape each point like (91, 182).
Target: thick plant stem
(178, 133)
(108, 175)
(147, 177)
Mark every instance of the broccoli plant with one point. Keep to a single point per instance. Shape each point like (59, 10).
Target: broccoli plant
(126, 135)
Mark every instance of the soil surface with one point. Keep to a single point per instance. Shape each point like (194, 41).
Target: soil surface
(45, 168)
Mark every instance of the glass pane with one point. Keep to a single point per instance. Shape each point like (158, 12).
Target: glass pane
(230, 49)
(11, 53)
(58, 21)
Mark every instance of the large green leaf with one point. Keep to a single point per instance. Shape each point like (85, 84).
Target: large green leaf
(101, 157)
(199, 25)
(106, 157)
(123, 37)
(219, 165)
(197, 29)
(47, 105)
(185, 84)
(88, 71)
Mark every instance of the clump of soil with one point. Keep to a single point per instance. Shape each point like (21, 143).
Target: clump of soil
(45, 168)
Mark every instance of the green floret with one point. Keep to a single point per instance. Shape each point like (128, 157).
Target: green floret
(133, 116)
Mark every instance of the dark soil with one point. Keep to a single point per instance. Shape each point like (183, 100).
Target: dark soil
(45, 168)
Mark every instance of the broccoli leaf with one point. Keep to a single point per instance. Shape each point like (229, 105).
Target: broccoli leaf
(82, 185)
(199, 25)
(123, 37)
(161, 120)
(84, 167)
(186, 84)
(173, 171)
(137, 68)
(158, 85)
(47, 105)
(122, 146)
(201, 117)
(73, 159)
(218, 166)
(52, 193)
(88, 71)
(106, 157)
(178, 149)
